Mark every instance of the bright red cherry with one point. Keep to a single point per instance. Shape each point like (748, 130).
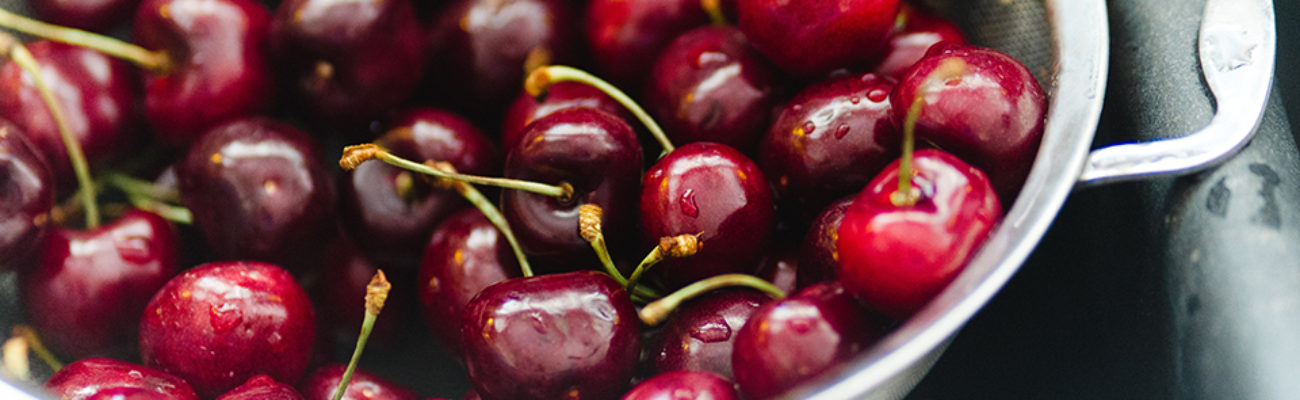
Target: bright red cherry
(26, 199)
(91, 15)
(812, 38)
(920, 30)
(262, 387)
(676, 385)
(322, 383)
(898, 257)
(699, 335)
(626, 36)
(465, 254)
(95, 378)
(221, 323)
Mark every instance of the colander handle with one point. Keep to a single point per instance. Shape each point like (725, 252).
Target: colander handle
(1237, 46)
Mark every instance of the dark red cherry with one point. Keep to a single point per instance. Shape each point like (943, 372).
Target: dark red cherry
(788, 341)
(714, 191)
(920, 29)
(219, 324)
(812, 38)
(979, 104)
(699, 335)
(217, 50)
(128, 393)
(481, 49)
(598, 155)
(26, 196)
(258, 190)
(899, 257)
(262, 387)
(818, 258)
(86, 295)
(626, 36)
(340, 289)
(828, 141)
(683, 385)
(91, 377)
(322, 383)
(709, 85)
(348, 61)
(570, 335)
(559, 96)
(465, 254)
(390, 212)
(96, 92)
(91, 15)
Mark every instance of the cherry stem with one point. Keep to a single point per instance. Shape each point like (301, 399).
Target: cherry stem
(354, 155)
(680, 246)
(714, 9)
(24, 59)
(152, 60)
(542, 78)
(589, 221)
(376, 293)
(906, 196)
(149, 197)
(655, 313)
(34, 342)
(489, 211)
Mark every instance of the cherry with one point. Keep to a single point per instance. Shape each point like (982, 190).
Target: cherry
(626, 36)
(26, 197)
(127, 393)
(97, 94)
(787, 341)
(344, 273)
(700, 334)
(262, 387)
(919, 30)
(348, 61)
(981, 105)
(812, 38)
(92, 377)
(390, 212)
(481, 49)
(323, 383)
(86, 295)
(828, 141)
(683, 385)
(710, 85)
(258, 190)
(594, 152)
(897, 257)
(91, 15)
(714, 191)
(559, 96)
(568, 335)
(818, 254)
(219, 324)
(465, 254)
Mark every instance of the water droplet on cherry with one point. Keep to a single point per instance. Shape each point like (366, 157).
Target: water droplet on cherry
(688, 203)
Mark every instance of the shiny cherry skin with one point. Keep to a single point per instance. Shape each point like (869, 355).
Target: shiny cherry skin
(982, 105)
(701, 333)
(390, 212)
(526, 108)
(258, 190)
(347, 62)
(899, 257)
(828, 141)
(322, 383)
(86, 295)
(90, 15)
(683, 385)
(218, 324)
(262, 387)
(568, 335)
(710, 85)
(812, 38)
(626, 36)
(219, 66)
(26, 196)
(465, 254)
(921, 29)
(480, 49)
(788, 341)
(716, 192)
(338, 294)
(97, 94)
(818, 257)
(595, 152)
(91, 377)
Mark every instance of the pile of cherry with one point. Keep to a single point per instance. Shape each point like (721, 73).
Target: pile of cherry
(235, 250)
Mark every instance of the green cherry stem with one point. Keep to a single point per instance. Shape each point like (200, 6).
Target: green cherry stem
(354, 155)
(589, 227)
(376, 294)
(149, 197)
(148, 59)
(714, 9)
(656, 312)
(24, 59)
(680, 246)
(38, 347)
(542, 78)
(906, 196)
